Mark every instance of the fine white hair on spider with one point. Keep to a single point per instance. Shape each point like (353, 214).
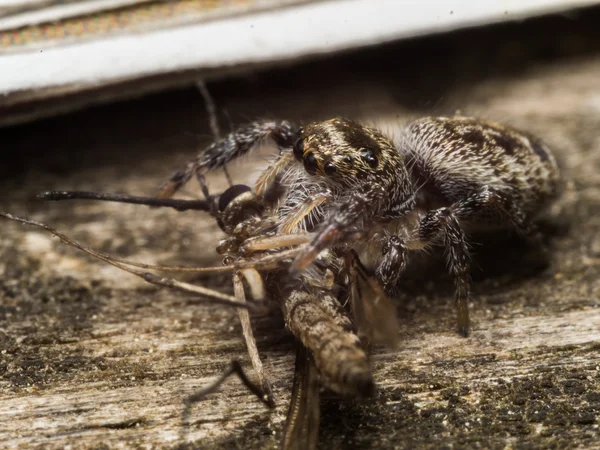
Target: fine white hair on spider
(351, 185)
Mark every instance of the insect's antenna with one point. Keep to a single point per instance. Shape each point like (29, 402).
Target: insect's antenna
(211, 109)
(211, 295)
(179, 205)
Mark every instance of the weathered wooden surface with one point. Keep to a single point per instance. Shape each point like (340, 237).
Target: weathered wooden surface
(91, 357)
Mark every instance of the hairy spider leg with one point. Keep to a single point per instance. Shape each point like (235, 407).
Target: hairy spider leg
(230, 147)
(392, 262)
(300, 211)
(445, 223)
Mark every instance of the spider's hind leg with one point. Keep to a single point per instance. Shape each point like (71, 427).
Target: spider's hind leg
(445, 223)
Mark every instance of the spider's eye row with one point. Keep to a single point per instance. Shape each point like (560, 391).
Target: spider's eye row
(310, 163)
(329, 168)
(368, 157)
(299, 149)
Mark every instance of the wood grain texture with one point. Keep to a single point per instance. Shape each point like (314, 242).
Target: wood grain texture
(91, 357)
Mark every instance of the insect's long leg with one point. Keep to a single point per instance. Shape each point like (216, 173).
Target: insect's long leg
(179, 205)
(301, 429)
(234, 368)
(263, 262)
(211, 295)
(238, 289)
(255, 281)
(211, 109)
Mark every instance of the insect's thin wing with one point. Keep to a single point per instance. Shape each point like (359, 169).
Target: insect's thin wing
(373, 311)
(238, 289)
(301, 429)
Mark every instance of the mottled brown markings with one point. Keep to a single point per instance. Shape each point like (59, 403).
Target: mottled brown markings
(354, 134)
(507, 142)
(473, 136)
(539, 148)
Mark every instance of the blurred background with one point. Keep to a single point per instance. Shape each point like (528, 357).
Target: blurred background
(60, 59)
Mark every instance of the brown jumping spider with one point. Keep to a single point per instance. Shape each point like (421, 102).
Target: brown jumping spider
(352, 186)
(337, 186)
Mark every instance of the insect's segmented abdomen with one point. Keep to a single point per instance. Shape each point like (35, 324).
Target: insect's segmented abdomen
(341, 362)
(461, 154)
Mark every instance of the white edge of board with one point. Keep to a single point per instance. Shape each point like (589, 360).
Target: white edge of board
(274, 35)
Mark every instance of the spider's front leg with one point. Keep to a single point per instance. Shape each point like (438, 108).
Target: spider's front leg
(344, 222)
(230, 147)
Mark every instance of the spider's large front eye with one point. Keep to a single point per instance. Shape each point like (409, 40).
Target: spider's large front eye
(369, 157)
(310, 163)
(299, 149)
(329, 168)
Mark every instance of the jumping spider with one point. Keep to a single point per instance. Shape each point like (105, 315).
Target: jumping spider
(354, 187)
(338, 187)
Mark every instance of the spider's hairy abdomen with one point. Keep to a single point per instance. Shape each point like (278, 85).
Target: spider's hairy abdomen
(459, 155)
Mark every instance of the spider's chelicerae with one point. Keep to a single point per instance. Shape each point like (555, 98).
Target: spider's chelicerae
(353, 186)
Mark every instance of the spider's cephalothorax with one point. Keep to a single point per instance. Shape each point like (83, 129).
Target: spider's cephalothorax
(352, 185)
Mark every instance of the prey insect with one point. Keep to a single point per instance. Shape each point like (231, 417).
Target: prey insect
(354, 187)
(329, 352)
